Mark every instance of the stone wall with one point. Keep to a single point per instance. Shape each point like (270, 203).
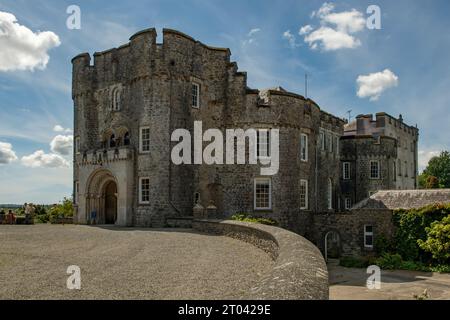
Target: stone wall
(300, 273)
(350, 228)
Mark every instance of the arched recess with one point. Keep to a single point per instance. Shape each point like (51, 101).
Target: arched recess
(122, 136)
(332, 245)
(101, 197)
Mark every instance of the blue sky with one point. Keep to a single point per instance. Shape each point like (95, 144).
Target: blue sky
(413, 45)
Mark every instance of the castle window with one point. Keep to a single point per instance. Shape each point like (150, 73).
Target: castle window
(112, 141)
(263, 143)
(346, 170)
(337, 145)
(304, 147)
(406, 168)
(348, 203)
(304, 194)
(77, 145)
(330, 142)
(116, 99)
(330, 194)
(196, 198)
(144, 190)
(76, 189)
(126, 139)
(368, 236)
(322, 141)
(195, 95)
(399, 167)
(374, 169)
(263, 194)
(394, 173)
(144, 139)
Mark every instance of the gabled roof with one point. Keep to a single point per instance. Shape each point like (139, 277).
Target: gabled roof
(404, 199)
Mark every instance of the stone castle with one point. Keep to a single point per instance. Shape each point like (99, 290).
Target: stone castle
(130, 99)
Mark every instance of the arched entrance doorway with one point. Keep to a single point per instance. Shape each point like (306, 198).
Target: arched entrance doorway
(332, 248)
(101, 198)
(110, 203)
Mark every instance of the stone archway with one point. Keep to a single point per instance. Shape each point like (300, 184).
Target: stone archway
(102, 197)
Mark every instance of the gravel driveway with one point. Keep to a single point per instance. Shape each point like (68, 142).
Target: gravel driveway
(118, 263)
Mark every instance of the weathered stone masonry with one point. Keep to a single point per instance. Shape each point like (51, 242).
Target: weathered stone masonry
(145, 89)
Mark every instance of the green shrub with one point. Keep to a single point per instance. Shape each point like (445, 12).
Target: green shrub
(248, 218)
(383, 245)
(351, 262)
(389, 261)
(438, 240)
(411, 227)
(442, 268)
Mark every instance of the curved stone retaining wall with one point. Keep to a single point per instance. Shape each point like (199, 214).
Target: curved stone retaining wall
(300, 272)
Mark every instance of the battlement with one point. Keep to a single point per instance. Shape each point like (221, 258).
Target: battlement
(366, 124)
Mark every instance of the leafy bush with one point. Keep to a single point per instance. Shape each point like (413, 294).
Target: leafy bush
(383, 245)
(248, 218)
(438, 240)
(389, 261)
(62, 210)
(411, 227)
(351, 262)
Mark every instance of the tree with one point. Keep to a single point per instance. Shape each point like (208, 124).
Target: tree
(437, 173)
(438, 240)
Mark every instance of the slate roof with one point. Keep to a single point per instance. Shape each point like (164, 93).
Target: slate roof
(404, 199)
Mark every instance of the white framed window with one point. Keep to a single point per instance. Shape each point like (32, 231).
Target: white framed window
(263, 194)
(144, 139)
(346, 170)
(76, 191)
(348, 203)
(374, 169)
(195, 95)
(304, 147)
(77, 145)
(304, 194)
(330, 194)
(144, 190)
(368, 236)
(322, 141)
(263, 143)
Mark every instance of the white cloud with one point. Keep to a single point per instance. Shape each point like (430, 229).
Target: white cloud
(425, 157)
(59, 128)
(372, 85)
(336, 29)
(41, 159)
(324, 10)
(331, 39)
(62, 144)
(290, 38)
(305, 30)
(7, 154)
(348, 21)
(253, 31)
(22, 49)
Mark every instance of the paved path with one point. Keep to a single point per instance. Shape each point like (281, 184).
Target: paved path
(125, 263)
(350, 284)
